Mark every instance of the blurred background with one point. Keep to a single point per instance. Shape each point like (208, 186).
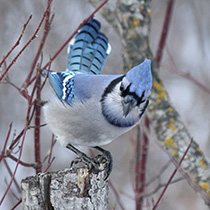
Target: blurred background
(188, 46)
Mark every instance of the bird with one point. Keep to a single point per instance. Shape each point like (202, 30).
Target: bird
(90, 108)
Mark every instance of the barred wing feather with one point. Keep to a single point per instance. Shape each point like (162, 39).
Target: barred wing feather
(89, 49)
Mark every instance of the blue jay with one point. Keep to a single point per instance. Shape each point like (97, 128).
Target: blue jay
(91, 109)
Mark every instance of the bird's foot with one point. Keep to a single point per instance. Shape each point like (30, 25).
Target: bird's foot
(82, 158)
(102, 162)
(79, 162)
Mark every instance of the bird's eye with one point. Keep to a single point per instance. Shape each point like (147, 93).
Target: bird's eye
(121, 87)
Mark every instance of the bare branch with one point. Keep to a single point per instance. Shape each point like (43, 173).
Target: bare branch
(46, 16)
(160, 185)
(186, 75)
(17, 204)
(140, 167)
(17, 42)
(5, 143)
(116, 195)
(10, 173)
(172, 176)
(16, 167)
(165, 30)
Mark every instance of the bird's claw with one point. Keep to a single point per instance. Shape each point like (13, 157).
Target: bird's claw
(102, 162)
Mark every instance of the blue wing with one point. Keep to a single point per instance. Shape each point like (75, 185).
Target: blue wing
(63, 85)
(89, 49)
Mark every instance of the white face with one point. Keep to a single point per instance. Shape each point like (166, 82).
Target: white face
(121, 107)
(114, 99)
(113, 109)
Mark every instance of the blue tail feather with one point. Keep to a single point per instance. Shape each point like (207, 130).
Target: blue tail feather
(88, 52)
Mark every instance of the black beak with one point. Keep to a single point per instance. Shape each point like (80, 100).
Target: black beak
(127, 107)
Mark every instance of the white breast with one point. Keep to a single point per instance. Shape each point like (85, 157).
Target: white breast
(80, 124)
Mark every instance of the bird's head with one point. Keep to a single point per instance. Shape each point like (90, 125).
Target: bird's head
(127, 93)
(135, 86)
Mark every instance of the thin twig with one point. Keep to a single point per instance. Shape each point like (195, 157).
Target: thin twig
(49, 164)
(17, 42)
(10, 173)
(164, 33)
(42, 86)
(157, 176)
(5, 142)
(16, 140)
(17, 204)
(21, 51)
(172, 176)
(40, 126)
(11, 191)
(33, 165)
(116, 195)
(16, 167)
(162, 185)
(49, 154)
(12, 84)
(46, 16)
(186, 76)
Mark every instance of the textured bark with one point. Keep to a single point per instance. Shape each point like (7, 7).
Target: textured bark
(132, 20)
(67, 189)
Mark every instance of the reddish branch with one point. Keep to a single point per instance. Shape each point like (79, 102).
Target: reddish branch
(50, 159)
(172, 176)
(37, 111)
(5, 143)
(17, 204)
(37, 129)
(17, 42)
(116, 195)
(140, 167)
(16, 167)
(20, 162)
(46, 16)
(164, 33)
(16, 140)
(186, 76)
(138, 171)
(37, 87)
(20, 52)
(15, 181)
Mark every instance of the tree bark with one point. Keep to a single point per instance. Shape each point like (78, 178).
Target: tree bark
(73, 188)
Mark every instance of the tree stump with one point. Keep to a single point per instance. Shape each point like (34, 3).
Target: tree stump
(72, 188)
